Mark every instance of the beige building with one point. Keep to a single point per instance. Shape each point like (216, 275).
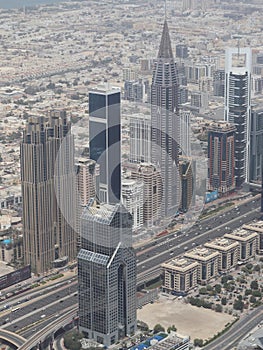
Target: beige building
(208, 260)
(88, 179)
(180, 275)
(258, 228)
(48, 191)
(150, 175)
(229, 252)
(248, 243)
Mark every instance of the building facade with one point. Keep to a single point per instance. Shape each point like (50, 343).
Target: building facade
(132, 199)
(248, 243)
(140, 138)
(221, 157)
(256, 144)
(105, 139)
(180, 275)
(208, 260)
(238, 106)
(257, 227)
(165, 122)
(187, 182)
(229, 252)
(48, 191)
(150, 175)
(106, 274)
(88, 174)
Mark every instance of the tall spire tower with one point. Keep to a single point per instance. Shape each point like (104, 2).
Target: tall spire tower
(165, 122)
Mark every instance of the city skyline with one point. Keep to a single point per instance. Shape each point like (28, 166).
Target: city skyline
(131, 171)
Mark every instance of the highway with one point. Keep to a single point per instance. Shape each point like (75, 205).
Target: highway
(238, 331)
(48, 304)
(157, 252)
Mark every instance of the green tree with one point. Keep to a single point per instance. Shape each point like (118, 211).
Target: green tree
(248, 291)
(252, 299)
(158, 328)
(224, 301)
(257, 268)
(198, 342)
(72, 340)
(254, 285)
(203, 290)
(218, 308)
(218, 288)
(238, 305)
(256, 293)
(171, 328)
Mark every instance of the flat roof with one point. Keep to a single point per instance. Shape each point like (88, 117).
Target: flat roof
(201, 253)
(255, 226)
(222, 243)
(180, 264)
(241, 235)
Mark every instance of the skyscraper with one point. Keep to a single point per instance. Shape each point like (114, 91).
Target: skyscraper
(221, 157)
(165, 122)
(256, 143)
(140, 138)
(48, 191)
(238, 106)
(107, 273)
(105, 140)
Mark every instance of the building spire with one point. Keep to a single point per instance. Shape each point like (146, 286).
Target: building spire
(165, 49)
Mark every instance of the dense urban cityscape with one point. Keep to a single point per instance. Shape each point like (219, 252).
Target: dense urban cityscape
(131, 174)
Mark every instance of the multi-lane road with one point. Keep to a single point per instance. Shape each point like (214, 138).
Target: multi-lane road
(36, 309)
(158, 251)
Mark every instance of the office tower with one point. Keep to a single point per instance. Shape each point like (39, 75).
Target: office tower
(219, 82)
(129, 74)
(105, 139)
(135, 90)
(256, 144)
(140, 138)
(221, 157)
(150, 175)
(238, 106)
(199, 101)
(88, 172)
(165, 122)
(107, 274)
(181, 51)
(185, 132)
(48, 191)
(132, 199)
(187, 182)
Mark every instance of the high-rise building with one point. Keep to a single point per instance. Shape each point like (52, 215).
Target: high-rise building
(107, 274)
(221, 157)
(105, 139)
(181, 51)
(48, 191)
(256, 143)
(219, 82)
(140, 138)
(238, 106)
(150, 175)
(88, 172)
(185, 132)
(187, 182)
(165, 122)
(132, 199)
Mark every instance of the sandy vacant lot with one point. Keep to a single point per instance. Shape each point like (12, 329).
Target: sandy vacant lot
(189, 320)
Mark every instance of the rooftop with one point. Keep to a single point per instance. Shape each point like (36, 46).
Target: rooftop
(181, 264)
(201, 253)
(241, 235)
(221, 243)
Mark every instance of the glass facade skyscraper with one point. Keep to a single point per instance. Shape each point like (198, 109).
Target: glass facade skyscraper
(107, 273)
(105, 140)
(238, 106)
